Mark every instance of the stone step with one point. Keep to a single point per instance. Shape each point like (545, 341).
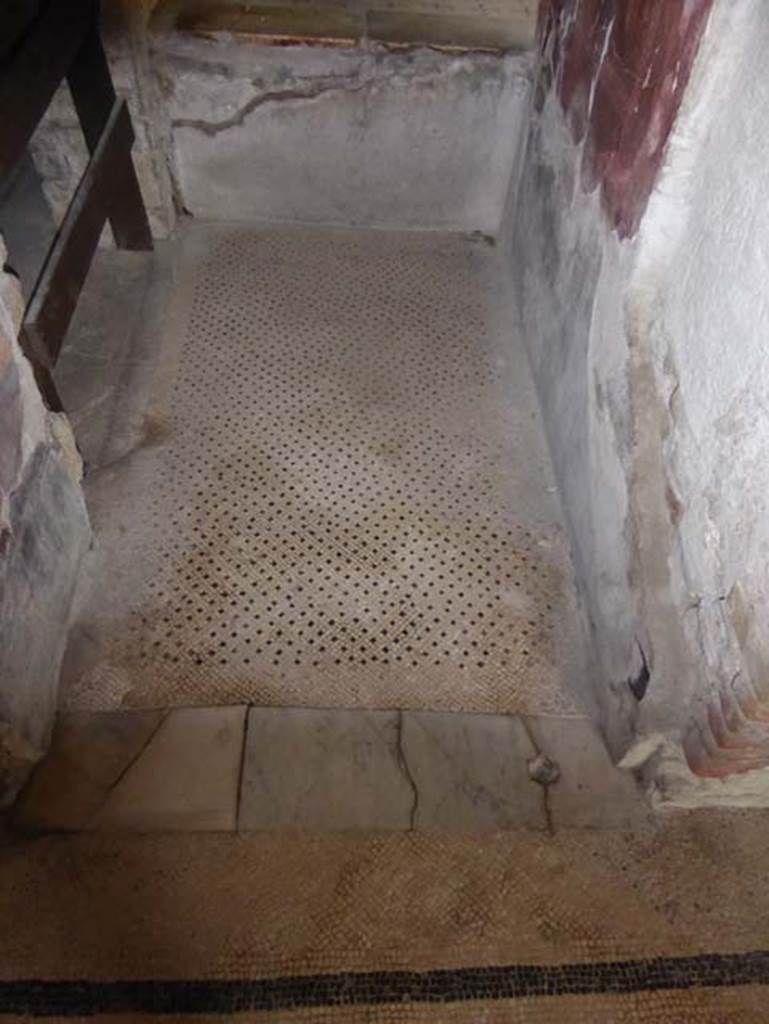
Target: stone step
(227, 769)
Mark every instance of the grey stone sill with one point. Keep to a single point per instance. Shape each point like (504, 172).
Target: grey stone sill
(334, 770)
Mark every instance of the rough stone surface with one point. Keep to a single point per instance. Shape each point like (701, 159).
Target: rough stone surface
(342, 136)
(706, 346)
(43, 535)
(45, 540)
(26, 222)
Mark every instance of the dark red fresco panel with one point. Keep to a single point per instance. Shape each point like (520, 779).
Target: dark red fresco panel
(634, 58)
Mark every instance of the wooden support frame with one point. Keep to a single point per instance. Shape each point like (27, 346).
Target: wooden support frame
(94, 97)
(63, 41)
(53, 302)
(32, 75)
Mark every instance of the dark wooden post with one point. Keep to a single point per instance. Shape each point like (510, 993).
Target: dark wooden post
(62, 39)
(93, 94)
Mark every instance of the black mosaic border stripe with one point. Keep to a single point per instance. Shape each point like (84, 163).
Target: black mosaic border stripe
(86, 998)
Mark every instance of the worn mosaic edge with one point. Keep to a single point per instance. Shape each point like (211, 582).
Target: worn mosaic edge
(78, 998)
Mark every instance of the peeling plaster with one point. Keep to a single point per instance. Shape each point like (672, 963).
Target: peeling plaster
(650, 358)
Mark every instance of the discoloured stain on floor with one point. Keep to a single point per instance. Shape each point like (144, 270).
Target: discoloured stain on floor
(350, 503)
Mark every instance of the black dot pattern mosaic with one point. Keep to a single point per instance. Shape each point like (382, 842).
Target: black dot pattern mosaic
(333, 515)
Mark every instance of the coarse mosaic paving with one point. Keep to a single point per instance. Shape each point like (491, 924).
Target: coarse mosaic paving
(669, 926)
(346, 500)
(366, 991)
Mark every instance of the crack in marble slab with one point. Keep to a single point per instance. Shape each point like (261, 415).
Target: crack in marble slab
(403, 761)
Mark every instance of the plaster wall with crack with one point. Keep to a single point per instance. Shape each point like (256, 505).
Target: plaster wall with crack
(231, 129)
(342, 136)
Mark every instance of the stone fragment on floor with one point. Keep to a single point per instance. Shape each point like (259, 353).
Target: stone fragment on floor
(591, 792)
(469, 772)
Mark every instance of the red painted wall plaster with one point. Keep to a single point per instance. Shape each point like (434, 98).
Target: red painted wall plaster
(621, 68)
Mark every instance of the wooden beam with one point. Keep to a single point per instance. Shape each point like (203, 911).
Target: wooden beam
(42, 369)
(56, 293)
(31, 76)
(61, 38)
(18, 15)
(93, 94)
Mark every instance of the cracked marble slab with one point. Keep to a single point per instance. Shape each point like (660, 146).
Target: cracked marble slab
(330, 770)
(333, 770)
(89, 753)
(185, 779)
(470, 772)
(459, 124)
(325, 770)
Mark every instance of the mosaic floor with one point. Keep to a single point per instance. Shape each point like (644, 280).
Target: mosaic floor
(319, 479)
(342, 497)
(662, 927)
